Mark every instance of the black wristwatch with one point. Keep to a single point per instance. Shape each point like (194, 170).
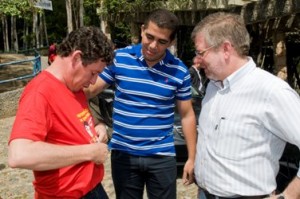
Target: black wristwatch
(281, 196)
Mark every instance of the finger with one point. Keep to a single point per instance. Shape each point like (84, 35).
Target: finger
(185, 178)
(189, 179)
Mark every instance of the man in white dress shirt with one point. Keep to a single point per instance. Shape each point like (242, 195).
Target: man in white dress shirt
(248, 115)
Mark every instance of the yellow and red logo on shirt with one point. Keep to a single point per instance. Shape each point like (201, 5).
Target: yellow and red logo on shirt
(87, 120)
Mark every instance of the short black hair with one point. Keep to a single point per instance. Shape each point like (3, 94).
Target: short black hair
(164, 19)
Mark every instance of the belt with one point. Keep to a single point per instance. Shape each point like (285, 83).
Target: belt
(211, 196)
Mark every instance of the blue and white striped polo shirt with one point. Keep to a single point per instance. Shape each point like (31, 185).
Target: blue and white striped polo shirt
(143, 113)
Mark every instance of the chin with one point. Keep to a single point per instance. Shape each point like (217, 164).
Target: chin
(148, 56)
(152, 57)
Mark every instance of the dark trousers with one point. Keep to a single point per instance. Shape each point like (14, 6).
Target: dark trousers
(131, 173)
(97, 193)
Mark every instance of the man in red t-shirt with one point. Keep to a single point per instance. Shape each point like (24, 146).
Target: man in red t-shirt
(53, 133)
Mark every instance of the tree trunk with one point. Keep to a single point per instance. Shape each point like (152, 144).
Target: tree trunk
(104, 23)
(69, 15)
(14, 36)
(81, 13)
(25, 36)
(104, 28)
(5, 33)
(12, 39)
(45, 29)
(35, 38)
(75, 13)
(41, 31)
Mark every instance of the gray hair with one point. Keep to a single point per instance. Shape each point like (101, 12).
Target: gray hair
(222, 26)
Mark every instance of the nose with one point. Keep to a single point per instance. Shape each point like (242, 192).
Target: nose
(153, 44)
(94, 79)
(197, 60)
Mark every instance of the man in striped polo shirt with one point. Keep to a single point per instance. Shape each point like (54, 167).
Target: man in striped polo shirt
(149, 81)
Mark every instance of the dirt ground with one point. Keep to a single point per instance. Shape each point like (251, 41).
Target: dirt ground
(10, 91)
(14, 71)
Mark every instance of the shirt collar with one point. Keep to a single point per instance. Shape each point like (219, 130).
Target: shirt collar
(235, 77)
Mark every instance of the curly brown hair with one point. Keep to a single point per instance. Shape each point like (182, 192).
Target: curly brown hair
(91, 41)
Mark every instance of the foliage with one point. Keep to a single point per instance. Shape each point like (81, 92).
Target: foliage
(195, 4)
(90, 15)
(120, 34)
(179, 4)
(130, 7)
(56, 21)
(15, 7)
(113, 8)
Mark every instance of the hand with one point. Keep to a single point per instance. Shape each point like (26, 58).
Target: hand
(188, 173)
(102, 133)
(100, 153)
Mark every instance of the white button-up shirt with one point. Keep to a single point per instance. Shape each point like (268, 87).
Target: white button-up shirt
(243, 127)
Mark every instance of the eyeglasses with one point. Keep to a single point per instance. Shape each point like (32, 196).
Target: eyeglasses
(201, 53)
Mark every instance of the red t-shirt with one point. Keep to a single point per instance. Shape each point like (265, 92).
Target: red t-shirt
(48, 111)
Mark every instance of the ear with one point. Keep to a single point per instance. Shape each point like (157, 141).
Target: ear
(142, 29)
(227, 48)
(76, 57)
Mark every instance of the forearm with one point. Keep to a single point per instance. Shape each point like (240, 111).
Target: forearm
(189, 129)
(37, 155)
(293, 189)
(190, 134)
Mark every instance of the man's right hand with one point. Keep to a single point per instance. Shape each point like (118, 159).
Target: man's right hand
(100, 153)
